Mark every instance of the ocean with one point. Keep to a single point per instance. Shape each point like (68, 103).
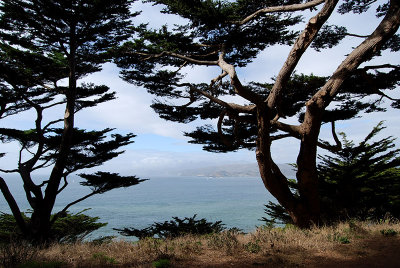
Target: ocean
(236, 201)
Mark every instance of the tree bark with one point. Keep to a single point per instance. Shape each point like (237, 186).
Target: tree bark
(13, 206)
(307, 176)
(305, 211)
(41, 217)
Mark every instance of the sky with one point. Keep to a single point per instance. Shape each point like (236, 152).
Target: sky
(160, 149)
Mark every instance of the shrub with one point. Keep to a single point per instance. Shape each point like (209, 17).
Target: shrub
(175, 228)
(162, 263)
(388, 232)
(69, 228)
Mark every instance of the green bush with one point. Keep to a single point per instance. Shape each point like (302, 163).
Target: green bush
(175, 228)
(388, 232)
(103, 258)
(162, 263)
(69, 228)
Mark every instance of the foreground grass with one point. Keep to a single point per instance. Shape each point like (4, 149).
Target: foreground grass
(351, 244)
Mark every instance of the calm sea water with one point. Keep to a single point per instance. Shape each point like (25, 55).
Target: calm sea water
(237, 202)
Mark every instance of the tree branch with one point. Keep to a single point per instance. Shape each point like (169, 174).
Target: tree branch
(57, 215)
(388, 26)
(356, 35)
(13, 206)
(382, 66)
(293, 130)
(335, 137)
(288, 8)
(175, 55)
(231, 106)
(65, 184)
(235, 82)
(300, 46)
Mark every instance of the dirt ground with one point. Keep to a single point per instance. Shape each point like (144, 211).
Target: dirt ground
(377, 251)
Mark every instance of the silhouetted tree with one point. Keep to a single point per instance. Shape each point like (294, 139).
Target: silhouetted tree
(227, 35)
(44, 43)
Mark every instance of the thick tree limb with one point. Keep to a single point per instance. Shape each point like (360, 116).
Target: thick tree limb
(231, 106)
(388, 26)
(288, 8)
(13, 206)
(293, 130)
(300, 46)
(235, 82)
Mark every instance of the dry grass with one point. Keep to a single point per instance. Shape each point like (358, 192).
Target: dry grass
(265, 247)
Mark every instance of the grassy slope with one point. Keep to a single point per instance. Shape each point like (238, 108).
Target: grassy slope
(354, 244)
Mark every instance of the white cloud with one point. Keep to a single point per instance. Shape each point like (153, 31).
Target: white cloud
(131, 112)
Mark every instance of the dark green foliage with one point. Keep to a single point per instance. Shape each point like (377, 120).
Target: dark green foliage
(71, 228)
(231, 34)
(162, 263)
(43, 42)
(360, 181)
(389, 232)
(328, 37)
(175, 228)
(68, 228)
(212, 25)
(102, 182)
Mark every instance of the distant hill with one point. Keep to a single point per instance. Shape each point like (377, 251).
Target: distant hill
(233, 170)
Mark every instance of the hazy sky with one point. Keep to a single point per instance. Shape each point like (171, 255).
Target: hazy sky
(161, 149)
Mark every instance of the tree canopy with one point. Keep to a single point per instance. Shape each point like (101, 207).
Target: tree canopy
(230, 35)
(45, 48)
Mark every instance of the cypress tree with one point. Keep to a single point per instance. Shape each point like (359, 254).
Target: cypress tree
(45, 42)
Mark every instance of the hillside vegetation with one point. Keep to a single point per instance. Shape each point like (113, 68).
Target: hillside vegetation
(350, 244)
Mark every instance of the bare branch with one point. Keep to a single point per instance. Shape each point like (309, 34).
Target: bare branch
(235, 82)
(335, 137)
(382, 66)
(13, 206)
(175, 55)
(64, 186)
(55, 104)
(288, 8)
(293, 130)
(231, 106)
(8, 170)
(43, 183)
(52, 123)
(218, 78)
(281, 136)
(357, 35)
(71, 204)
